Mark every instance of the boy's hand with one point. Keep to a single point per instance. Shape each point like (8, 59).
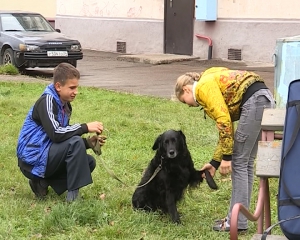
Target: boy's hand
(96, 142)
(96, 127)
(100, 138)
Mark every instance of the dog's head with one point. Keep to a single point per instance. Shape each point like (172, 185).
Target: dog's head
(170, 143)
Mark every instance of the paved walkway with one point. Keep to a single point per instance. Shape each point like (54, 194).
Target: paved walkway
(142, 74)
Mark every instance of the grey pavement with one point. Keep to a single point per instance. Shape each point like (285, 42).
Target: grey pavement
(152, 75)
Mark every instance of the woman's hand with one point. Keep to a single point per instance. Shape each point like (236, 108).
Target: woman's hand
(225, 167)
(210, 168)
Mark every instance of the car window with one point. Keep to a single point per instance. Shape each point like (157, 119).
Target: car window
(11, 23)
(28, 22)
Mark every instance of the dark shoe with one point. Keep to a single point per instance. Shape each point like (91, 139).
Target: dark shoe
(72, 195)
(223, 228)
(40, 189)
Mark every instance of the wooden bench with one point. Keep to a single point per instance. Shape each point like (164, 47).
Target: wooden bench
(267, 166)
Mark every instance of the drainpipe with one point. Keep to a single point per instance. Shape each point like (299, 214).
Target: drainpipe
(209, 44)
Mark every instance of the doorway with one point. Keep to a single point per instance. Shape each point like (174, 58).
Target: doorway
(179, 26)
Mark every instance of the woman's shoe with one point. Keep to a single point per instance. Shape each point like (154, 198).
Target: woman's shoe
(220, 221)
(223, 227)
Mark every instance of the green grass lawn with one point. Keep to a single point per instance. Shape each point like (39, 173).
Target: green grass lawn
(105, 211)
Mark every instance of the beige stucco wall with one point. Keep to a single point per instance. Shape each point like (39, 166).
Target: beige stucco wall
(46, 7)
(255, 39)
(279, 9)
(154, 9)
(151, 9)
(250, 25)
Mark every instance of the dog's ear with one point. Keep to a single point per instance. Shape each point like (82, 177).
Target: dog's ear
(183, 139)
(156, 143)
(182, 135)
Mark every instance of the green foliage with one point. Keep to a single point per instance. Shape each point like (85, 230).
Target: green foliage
(8, 69)
(105, 211)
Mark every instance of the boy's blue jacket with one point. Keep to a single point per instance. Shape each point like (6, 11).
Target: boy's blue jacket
(47, 122)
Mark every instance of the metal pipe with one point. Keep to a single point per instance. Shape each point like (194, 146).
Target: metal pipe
(209, 52)
(257, 215)
(210, 46)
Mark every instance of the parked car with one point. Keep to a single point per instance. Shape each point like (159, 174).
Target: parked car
(27, 39)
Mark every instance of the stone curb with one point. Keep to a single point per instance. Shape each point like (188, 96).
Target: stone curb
(156, 59)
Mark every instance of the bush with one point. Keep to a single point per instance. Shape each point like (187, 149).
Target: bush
(8, 69)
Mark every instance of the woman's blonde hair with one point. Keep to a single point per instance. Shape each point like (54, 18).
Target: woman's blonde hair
(186, 79)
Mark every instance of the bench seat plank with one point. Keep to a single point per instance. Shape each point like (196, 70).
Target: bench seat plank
(273, 119)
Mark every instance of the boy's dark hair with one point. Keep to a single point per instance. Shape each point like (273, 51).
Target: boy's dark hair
(63, 72)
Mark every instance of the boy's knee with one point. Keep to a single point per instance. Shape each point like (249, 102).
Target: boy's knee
(78, 141)
(92, 164)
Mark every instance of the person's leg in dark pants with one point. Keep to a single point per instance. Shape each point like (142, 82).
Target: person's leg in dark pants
(69, 167)
(38, 185)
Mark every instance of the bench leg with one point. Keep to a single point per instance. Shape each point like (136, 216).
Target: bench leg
(260, 221)
(267, 135)
(266, 212)
(267, 206)
(264, 220)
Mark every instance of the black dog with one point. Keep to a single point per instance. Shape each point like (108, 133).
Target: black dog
(169, 173)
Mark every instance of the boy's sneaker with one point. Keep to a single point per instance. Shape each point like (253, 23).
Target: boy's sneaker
(39, 187)
(72, 195)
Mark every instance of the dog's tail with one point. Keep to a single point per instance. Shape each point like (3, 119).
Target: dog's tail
(210, 180)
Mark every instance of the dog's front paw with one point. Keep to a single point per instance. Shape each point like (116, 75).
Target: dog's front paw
(178, 221)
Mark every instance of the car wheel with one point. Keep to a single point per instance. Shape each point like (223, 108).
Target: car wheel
(8, 57)
(74, 63)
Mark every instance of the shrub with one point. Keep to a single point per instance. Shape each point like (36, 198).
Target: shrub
(9, 69)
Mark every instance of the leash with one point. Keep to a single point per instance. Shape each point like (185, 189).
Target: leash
(110, 172)
(153, 175)
(97, 150)
(113, 175)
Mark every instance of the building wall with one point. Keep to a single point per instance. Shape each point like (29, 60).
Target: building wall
(103, 34)
(100, 24)
(47, 8)
(154, 9)
(250, 25)
(276, 9)
(142, 9)
(255, 39)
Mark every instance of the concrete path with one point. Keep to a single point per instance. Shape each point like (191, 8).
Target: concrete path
(153, 75)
